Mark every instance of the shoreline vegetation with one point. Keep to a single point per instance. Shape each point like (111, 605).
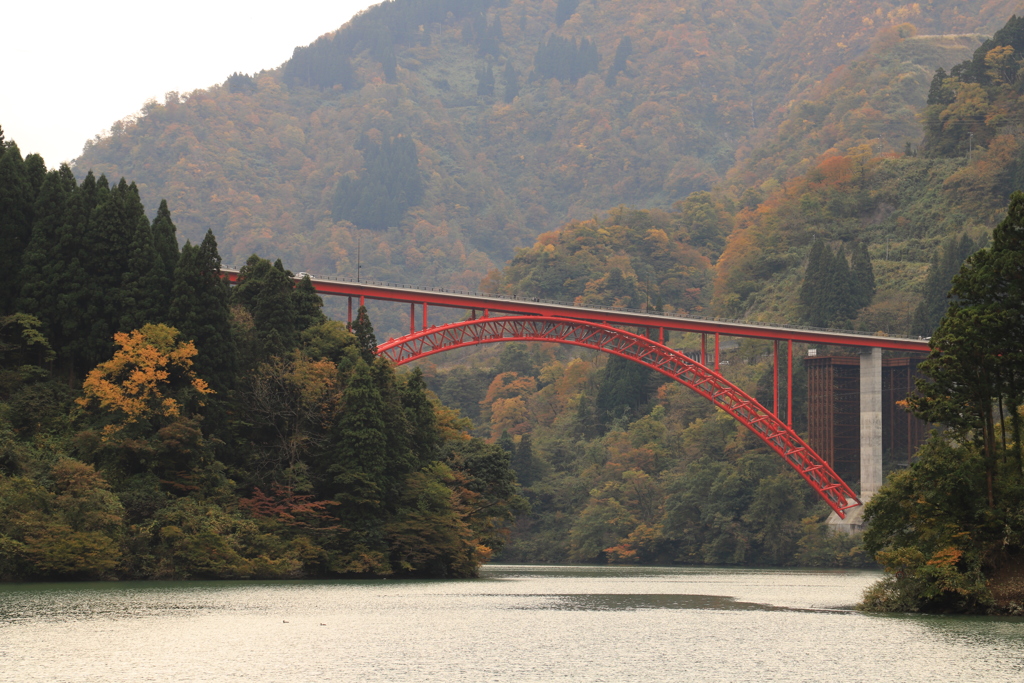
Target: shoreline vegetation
(155, 424)
(949, 531)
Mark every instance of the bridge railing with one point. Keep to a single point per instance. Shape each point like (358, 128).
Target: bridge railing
(598, 307)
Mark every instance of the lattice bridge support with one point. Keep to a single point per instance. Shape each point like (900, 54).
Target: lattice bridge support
(779, 436)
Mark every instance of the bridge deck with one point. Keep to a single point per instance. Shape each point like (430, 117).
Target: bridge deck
(386, 291)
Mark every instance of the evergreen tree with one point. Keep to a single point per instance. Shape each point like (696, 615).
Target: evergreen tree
(831, 294)
(516, 358)
(523, 462)
(389, 185)
(42, 260)
(485, 81)
(199, 309)
(16, 217)
(69, 280)
(944, 265)
(401, 456)
(142, 285)
(862, 277)
(165, 242)
(510, 77)
(365, 339)
(355, 474)
(839, 306)
(626, 387)
(422, 420)
(308, 305)
(266, 291)
(565, 59)
(622, 53)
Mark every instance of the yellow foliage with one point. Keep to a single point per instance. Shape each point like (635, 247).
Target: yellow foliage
(135, 382)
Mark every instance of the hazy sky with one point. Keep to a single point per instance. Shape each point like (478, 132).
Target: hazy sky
(73, 68)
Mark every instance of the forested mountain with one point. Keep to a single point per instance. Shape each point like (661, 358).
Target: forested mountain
(482, 124)
(824, 163)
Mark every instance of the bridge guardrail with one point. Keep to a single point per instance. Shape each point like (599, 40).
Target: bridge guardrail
(598, 307)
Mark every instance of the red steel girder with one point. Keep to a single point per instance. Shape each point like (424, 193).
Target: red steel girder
(520, 306)
(767, 426)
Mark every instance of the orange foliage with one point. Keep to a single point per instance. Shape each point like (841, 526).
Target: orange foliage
(134, 384)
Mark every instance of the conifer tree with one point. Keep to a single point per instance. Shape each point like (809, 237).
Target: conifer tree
(42, 259)
(89, 301)
(839, 290)
(389, 185)
(510, 77)
(266, 291)
(16, 216)
(944, 265)
(523, 462)
(565, 9)
(165, 242)
(419, 413)
(863, 276)
(626, 386)
(622, 53)
(401, 458)
(308, 305)
(199, 309)
(366, 341)
(485, 81)
(355, 472)
(145, 299)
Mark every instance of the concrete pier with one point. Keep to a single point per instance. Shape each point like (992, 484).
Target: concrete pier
(870, 424)
(870, 439)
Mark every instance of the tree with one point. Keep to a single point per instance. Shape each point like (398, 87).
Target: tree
(976, 364)
(362, 328)
(863, 276)
(43, 259)
(389, 185)
(944, 266)
(357, 467)
(308, 305)
(16, 218)
(485, 81)
(150, 378)
(266, 291)
(510, 77)
(165, 242)
(199, 309)
(143, 284)
(619, 64)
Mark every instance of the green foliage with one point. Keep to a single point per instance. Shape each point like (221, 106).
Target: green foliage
(311, 457)
(943, 267)
(565, 58)
(390, 183)
(366, 341)
(943, 528)
(834, 290)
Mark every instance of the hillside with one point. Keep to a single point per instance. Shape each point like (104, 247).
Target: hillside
(522, 115)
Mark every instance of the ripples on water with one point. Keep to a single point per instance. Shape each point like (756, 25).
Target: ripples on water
(515, 624)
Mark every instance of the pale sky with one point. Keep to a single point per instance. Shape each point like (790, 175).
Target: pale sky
(71, 69)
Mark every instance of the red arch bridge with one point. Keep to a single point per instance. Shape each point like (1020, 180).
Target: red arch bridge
(526, 319)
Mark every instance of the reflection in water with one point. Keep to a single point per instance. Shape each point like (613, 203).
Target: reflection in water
(517, 623)
(619, 601)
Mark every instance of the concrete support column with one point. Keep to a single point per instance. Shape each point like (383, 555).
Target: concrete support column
(870, 423)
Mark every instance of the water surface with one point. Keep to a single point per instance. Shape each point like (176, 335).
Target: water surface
(516, 623)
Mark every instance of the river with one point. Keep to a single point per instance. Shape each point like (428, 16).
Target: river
(515, 623)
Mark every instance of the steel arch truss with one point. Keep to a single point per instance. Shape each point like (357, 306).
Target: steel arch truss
(669, 362)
